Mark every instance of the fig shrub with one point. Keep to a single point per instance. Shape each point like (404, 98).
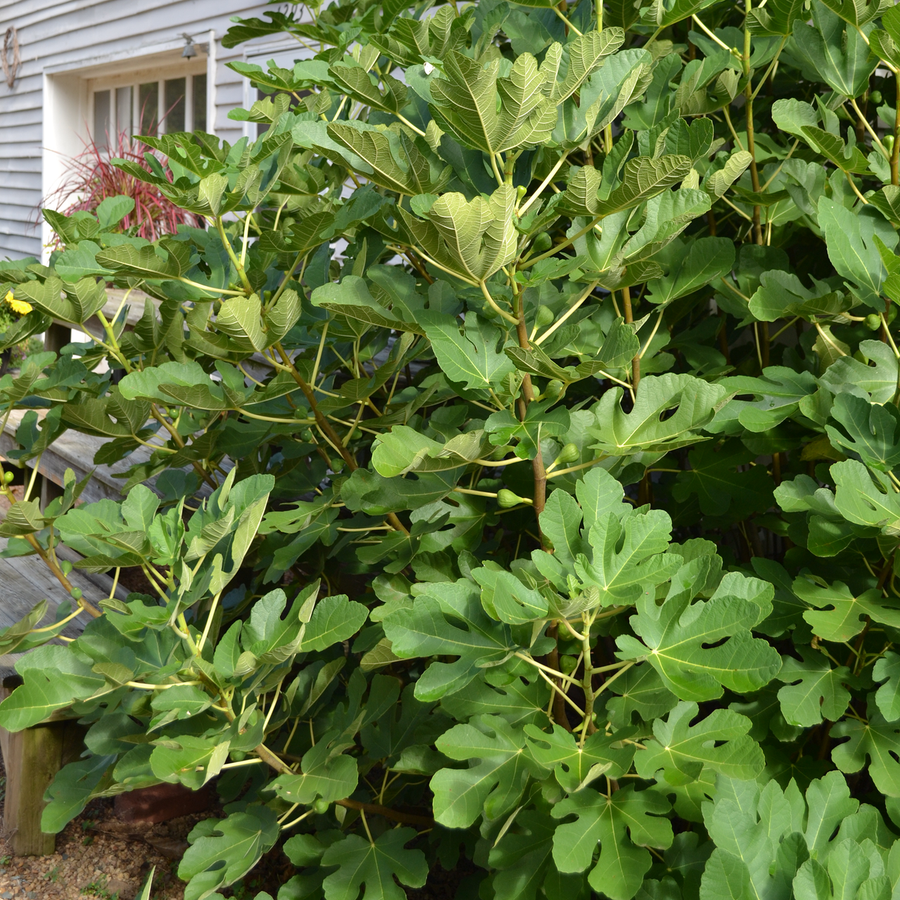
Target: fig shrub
(512, 458)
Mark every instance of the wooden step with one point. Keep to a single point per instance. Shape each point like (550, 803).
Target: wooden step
(75, 451)
(26, 580)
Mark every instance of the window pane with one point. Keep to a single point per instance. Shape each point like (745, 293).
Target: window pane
(123, 111)
(199, 98)
(148, 107)
(101, 117)
(174, 105)
(262, 127)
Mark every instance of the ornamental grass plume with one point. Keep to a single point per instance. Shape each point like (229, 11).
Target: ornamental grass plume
(92, 176)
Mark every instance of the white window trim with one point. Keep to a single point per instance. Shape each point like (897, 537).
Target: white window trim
(284, 52)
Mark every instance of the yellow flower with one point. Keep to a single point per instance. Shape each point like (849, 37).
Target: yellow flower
(19, 306)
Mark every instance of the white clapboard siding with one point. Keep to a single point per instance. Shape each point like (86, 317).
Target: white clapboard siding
(20, 176)
(20, 239)
(66, 42)
(12, 213)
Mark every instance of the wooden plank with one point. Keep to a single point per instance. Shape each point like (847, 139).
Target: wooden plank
(135, 306)
(55, 338)
(75, 451)
(33, 757)
(27, 580)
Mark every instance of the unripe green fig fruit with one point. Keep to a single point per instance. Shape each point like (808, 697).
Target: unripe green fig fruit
(554, 389)
(544, 317)
(873, 322)
(567, 664)
(66, 566)
(543, 242)
(508, 499)
(569, 454)
(8, 477)
(77, 593)
(888, 141)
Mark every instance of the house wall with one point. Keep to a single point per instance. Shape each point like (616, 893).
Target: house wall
(64, 44)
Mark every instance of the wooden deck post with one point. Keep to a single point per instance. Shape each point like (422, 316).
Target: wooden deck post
(57, 336)
(32, 758)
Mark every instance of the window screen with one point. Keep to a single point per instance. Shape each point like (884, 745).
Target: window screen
(101, 116)
(174, 101)
(148, 108)
(198, 88)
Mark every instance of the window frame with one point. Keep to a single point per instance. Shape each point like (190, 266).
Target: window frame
(284, 53)
(134, 79)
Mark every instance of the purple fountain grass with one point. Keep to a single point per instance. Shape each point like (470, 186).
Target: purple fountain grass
(92, 176)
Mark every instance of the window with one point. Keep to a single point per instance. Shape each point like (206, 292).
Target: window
(283, 54)
(100, 98)
(150, 107)
(262, 127)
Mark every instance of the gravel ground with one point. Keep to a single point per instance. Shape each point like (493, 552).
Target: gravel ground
(99, 856)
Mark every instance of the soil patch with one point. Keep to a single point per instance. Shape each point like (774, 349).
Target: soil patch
(99, 856)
